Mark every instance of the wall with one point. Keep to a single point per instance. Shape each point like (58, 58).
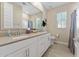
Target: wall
(26, 16)
(17, 18)
(33, 17)
(17, 15)
(0, 15)
(52, 22)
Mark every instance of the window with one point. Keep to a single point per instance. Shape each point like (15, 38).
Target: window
(61, 19)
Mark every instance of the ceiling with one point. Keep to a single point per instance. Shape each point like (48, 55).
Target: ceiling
(30, 9)
(49, 5)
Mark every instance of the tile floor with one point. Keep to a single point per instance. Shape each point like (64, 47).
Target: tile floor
(58, 50)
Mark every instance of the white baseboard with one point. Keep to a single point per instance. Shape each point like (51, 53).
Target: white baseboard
(64, 43)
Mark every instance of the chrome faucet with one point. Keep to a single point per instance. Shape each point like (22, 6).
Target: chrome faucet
(18, 33)
(9, 33)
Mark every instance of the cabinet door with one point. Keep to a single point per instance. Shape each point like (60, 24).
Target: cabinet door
(48, 40)
(19, 53)
(41, 45)
(33, 49)
(44, 43)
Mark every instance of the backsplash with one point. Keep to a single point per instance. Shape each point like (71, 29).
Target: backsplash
(12, 31)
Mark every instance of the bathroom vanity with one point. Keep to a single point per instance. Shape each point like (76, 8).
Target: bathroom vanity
(76, 42)
(26, 45)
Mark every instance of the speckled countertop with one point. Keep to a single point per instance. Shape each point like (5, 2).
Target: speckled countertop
(9, 40)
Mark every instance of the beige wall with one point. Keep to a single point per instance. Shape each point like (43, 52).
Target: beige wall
(17, 16)
(0, 15)
(17, 19)
(33, 17)
(52, 22)
(25, 16)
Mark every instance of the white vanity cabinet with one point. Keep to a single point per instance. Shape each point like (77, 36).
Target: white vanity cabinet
(19, 53)
(43, 44)
(32, 51)
(28, 51)
(26, 48)
(77, 49)
(30, 47)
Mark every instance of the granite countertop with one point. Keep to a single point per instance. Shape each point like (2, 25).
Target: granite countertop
(9, 40)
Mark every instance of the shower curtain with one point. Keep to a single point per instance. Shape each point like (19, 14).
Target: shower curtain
(72, 32)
